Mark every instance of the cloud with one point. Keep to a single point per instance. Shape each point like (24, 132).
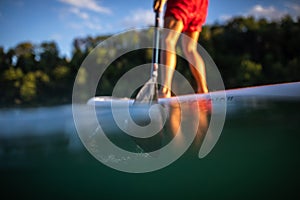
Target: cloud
(139, 17)
(87, 4)
(269, 12)
(56, 37)
(76, 11)
(225, 17)
(272, 13)
(93, 25)
(294, 10)
(293, 7)
(81, 9)
(87, 24)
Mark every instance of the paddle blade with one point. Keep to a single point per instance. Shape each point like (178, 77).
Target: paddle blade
(148, 93)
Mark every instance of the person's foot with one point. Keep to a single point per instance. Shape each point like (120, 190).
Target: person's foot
(205, 105)
(164, 93)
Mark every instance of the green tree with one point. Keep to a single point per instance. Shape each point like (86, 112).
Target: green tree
(250, 73)
(48, 56)
(31, 85)
(11, 81)
(26, 57)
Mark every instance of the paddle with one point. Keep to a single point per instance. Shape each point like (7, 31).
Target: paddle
(149, 92)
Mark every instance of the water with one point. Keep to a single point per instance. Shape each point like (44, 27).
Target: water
(257, 156)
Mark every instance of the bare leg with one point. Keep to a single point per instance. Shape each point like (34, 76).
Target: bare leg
(168, 58)
(189, 45)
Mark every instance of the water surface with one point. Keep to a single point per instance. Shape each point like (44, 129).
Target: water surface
(257, 156)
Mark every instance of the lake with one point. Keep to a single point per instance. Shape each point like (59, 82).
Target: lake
(256, 157)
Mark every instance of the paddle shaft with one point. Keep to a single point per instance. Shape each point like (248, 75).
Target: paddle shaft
(156, 45)
(148, 93)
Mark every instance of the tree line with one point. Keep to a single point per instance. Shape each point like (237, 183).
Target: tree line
(247, 51)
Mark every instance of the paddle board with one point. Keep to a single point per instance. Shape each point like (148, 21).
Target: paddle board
(115, 115)
(223, 103)
(232, 97)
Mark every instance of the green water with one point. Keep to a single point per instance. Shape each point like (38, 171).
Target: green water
(256, 157)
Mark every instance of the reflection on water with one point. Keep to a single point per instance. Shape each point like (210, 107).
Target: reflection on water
(198, 119)
(36, 121)
(257, 156)
(25, 125)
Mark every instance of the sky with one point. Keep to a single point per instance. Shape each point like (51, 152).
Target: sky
(62, 21)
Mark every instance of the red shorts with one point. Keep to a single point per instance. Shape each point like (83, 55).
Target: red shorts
(191, 12)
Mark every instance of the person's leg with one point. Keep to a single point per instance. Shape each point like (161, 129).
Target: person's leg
(189, 45)
(168, 58)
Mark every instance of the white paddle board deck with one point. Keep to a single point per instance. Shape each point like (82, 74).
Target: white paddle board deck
(232, 97)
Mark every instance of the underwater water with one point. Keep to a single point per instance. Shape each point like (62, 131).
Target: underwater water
(256, 156)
